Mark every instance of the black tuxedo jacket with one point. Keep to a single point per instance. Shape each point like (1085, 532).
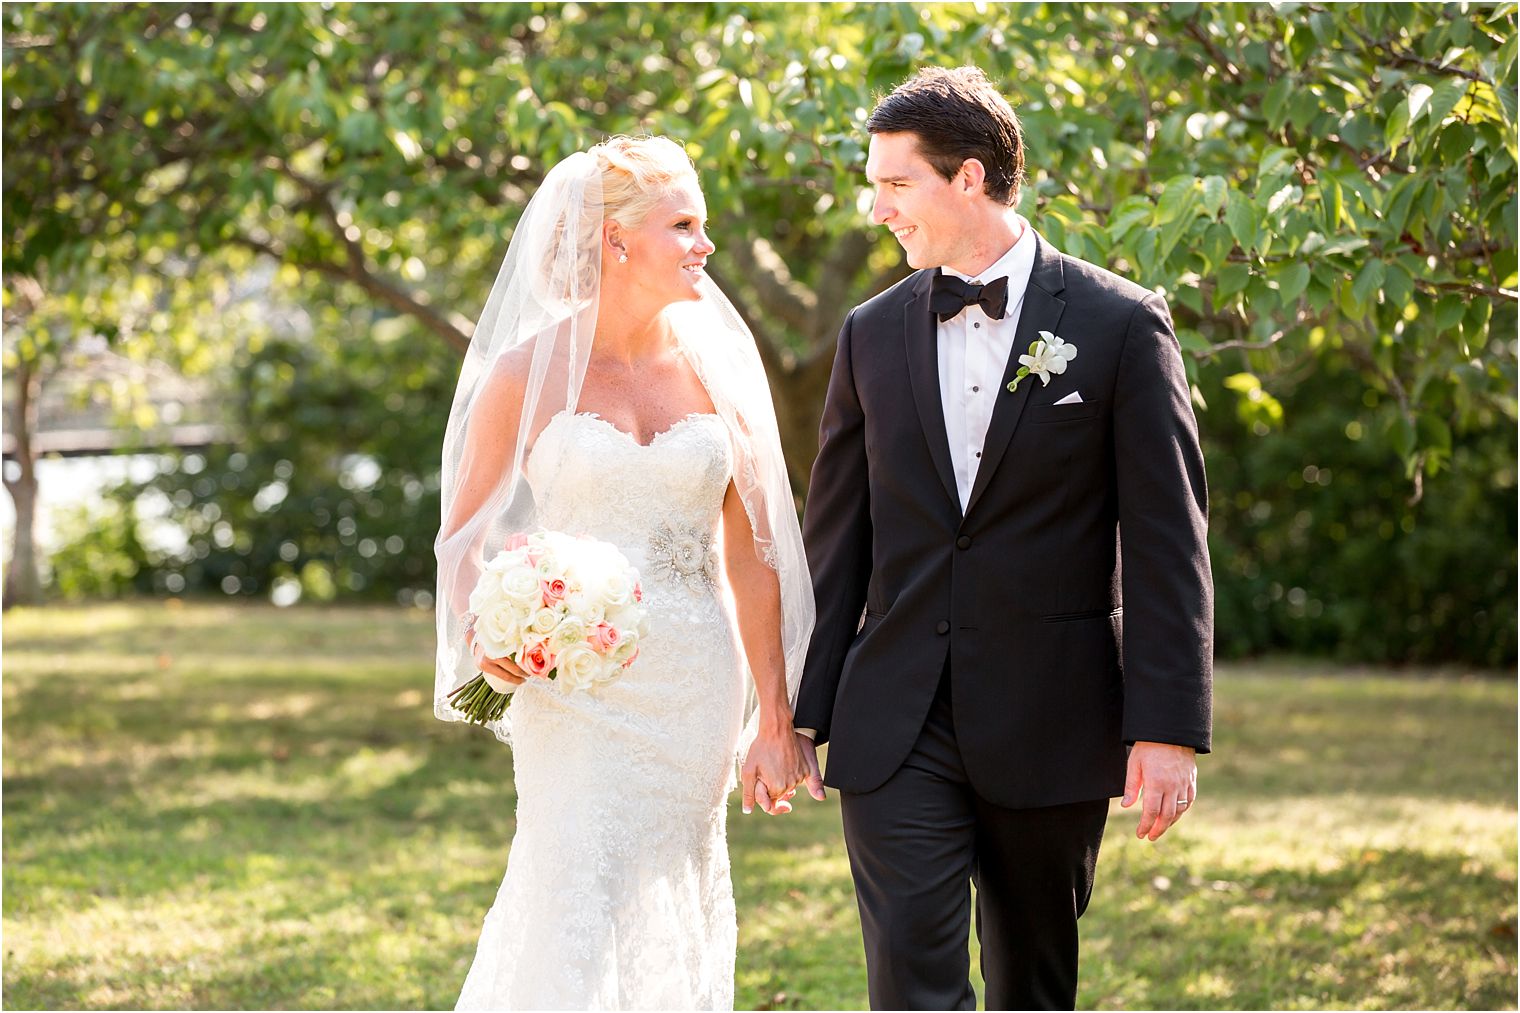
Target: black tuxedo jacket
(1072, 599)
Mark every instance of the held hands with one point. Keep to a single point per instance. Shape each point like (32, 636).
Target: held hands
(504, 669)
(1167, 776)
(778, 761)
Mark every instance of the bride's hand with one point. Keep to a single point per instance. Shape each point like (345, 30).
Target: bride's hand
(504, 669)
(773, 769)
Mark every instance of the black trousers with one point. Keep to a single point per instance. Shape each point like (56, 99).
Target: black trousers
(917, 842)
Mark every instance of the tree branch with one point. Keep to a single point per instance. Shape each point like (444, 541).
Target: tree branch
(386, 291)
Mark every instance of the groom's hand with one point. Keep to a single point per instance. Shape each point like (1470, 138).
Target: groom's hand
(772, 770)
(1166, 776)
(814, 779)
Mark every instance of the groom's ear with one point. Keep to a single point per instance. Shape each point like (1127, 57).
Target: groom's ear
(972, 177)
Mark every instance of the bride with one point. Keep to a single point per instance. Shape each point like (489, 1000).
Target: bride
(611, 390)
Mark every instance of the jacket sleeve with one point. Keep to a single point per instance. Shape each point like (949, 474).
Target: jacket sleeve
(836, 531)
(1163, 537)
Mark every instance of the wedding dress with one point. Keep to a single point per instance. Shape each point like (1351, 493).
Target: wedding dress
(617, 892)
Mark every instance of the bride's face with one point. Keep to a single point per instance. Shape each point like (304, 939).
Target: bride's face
(667, 252)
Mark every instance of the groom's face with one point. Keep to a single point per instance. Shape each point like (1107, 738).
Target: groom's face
(926, 212)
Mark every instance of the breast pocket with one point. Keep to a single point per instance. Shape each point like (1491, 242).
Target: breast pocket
(1055, 414)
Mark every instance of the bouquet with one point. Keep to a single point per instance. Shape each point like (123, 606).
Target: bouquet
(561, 608)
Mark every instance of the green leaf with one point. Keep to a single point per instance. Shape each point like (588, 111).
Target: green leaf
(1396, 129)
(1216, 245)
(1274, 103)
(1396, 213)
(1456, 143)
(1304, 108)
(1130, 212)
(1240, 216)
(1291, 281)
(1401, 435)
(1419, 100)
(1445, 97)
(1332, 204)
(1448, 312)
(1176, 198)
(1214, 192)
(1147, 249)
(1368, 281)
(1398, 286)
(1232, 278)
(1342, 244)
(1273, 160)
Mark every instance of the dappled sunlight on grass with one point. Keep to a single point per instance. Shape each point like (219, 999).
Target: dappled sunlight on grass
(217, 806)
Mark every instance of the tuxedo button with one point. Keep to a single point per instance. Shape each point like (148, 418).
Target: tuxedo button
(963, 542)
(942, 628)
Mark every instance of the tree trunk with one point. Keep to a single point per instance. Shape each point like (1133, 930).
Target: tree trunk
(799, 391)
(23, 584)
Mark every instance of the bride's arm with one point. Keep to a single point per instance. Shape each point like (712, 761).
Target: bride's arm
(490, 440)
(774, 759)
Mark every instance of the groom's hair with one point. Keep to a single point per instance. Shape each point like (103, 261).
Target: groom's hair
(957, 114)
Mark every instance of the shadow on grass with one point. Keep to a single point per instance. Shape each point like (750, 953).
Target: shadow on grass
(1376, 926)
(274, 781)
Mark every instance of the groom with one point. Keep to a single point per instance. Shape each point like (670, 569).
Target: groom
(1014, 603)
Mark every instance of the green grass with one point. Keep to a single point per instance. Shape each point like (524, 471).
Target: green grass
(242, 807)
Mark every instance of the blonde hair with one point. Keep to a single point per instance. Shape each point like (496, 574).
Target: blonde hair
(638, 173)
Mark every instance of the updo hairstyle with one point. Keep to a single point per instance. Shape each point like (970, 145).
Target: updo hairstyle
(638, 173)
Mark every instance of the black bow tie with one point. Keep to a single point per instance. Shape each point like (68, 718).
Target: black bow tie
(949, 295)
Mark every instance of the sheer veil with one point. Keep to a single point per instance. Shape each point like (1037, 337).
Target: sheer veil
(526, 362)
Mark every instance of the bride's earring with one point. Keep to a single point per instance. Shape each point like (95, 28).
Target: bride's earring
(622, 258)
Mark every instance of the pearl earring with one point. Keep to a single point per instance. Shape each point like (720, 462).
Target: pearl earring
(622, 258)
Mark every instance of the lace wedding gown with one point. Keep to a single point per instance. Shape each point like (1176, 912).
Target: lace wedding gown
(617, 892)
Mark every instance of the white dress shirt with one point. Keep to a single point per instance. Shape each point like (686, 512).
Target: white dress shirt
(973, 352)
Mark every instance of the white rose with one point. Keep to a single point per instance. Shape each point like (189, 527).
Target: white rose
(570, 631)
(521, 585)
(577, 666)
(496, 629)
(617, 590)
(544, 620)
(585, 607)
(610, 671)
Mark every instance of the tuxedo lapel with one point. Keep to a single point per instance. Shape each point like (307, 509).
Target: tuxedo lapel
(921, 335)
(1042, 312)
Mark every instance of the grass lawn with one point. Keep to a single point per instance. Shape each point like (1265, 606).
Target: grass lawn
(215, 806)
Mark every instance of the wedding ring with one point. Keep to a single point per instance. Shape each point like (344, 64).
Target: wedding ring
(1183, 803)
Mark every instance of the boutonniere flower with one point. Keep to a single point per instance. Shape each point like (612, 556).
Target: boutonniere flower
(1048, 355)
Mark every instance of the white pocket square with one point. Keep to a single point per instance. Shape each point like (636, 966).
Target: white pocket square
(1072, 398)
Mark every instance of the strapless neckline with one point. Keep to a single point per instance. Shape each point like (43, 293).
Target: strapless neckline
(656, 438)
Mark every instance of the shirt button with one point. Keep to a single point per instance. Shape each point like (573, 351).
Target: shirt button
(976, 324)
(975, 390)
(978, 453)
(942, 628)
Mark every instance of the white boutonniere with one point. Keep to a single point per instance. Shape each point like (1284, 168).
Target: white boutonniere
(1048, 355)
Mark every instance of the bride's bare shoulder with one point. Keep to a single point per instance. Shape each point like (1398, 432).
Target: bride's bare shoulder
(507, 375)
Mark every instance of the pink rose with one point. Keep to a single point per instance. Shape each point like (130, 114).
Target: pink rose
(535, 660)
(516, 541)
(603, 636)
(638, 593)
(554, 591)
